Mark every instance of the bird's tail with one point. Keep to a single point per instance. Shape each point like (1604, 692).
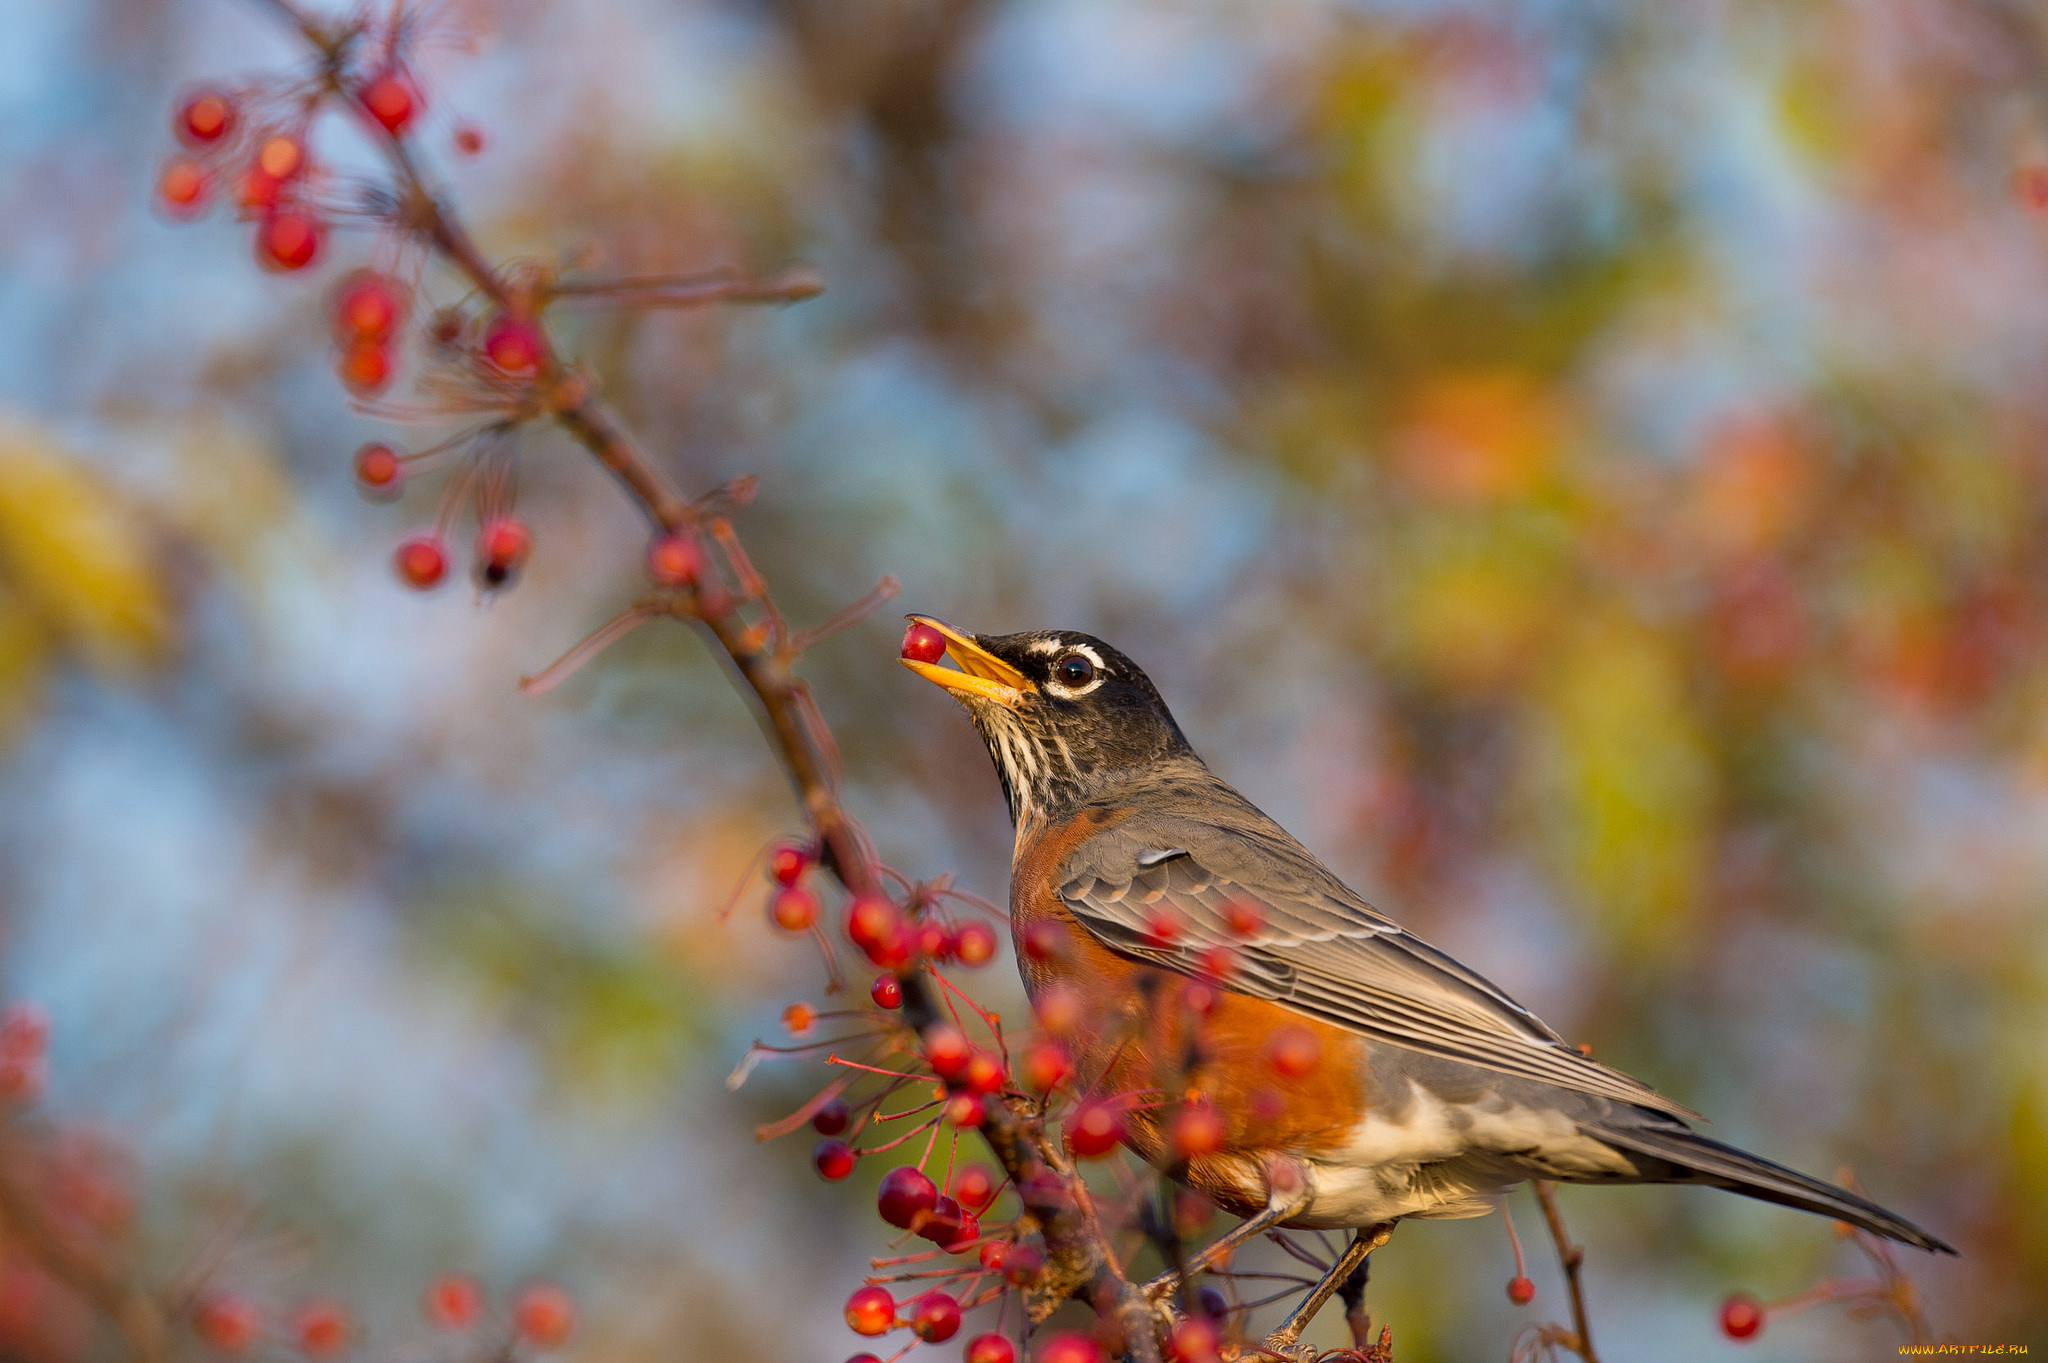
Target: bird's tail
(1695, 1159)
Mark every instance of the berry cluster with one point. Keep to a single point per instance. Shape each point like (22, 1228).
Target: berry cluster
(539, 1318)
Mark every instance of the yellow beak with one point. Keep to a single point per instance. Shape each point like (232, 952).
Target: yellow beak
(982, 675)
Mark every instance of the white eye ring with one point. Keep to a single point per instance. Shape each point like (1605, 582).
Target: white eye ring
(1088, 675)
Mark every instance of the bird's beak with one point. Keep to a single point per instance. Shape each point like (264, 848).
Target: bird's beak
(982, 675)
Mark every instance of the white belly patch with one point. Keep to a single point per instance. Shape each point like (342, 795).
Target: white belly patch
(1436, 1159)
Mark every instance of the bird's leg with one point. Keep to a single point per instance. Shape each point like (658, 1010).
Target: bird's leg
(1351, 1261)
(1289, 1195)
(1352, 1293)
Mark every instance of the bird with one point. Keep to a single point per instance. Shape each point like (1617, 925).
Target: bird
(1288, 1049)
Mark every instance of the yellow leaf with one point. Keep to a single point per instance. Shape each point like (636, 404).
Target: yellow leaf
(76, 555)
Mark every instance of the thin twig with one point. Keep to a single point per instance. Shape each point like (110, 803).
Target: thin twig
(1571, 1256)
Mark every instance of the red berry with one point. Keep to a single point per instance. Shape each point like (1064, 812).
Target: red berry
(469, 139)
(203, 118)
(22, 1078)
(365, 368)
(1060, 1009)
(1197, 1130)
(1194, 1340)
(864, 1358)
(990, 1349)
(503, 544)
(871, 1310)
(787, 863)
(1521, 1291)
(2030, 183)
(1093, 1129)
(281, 157)
(322, 1327)
(24, 1031)
(227, 1322)
(974, 943)
(674, 560)
(1243, 916)
(514, 344)
(984, 1073)
(287, 239)
(887, 991)
(975, 1187)
(906, 1196)
(922, 643)
(453, 1301)
(1022, 1265)
(1163, 926)
(992, 1255)
(1046, 940)
(833, 1159)
(935, 1317)
(390, 99)
(966, 1109)
(379, 468)
(875, 925)
(798, 1017)
(181, 187)
(932, 939)
(544, 1315)
(1293, 1052)
(966, 1232)
(1069, 1347)
(831, 1119)
(948, 1051)
(1742, 1316)
(793, 909)
(422, 562)
(368, 306)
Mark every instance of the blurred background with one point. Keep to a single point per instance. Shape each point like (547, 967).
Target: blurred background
(1581, 467)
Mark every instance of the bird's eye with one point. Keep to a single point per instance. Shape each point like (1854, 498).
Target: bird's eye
(1074, 671)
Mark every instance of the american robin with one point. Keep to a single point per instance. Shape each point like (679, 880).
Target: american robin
(1285, 1048)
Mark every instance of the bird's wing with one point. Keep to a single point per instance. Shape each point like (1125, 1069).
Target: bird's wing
(1318, 949)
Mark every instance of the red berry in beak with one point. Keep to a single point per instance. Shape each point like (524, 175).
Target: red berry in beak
(923, 644)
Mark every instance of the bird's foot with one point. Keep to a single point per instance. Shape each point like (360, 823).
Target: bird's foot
(1283, 1344)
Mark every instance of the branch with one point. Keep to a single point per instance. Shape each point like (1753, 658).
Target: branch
(1571, 1256)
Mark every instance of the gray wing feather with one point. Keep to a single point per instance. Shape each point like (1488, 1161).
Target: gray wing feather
(1321, 949)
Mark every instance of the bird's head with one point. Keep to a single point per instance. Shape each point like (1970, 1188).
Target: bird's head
(1061, 712)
